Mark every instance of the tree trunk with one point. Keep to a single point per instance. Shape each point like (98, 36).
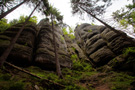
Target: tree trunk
(12, 9)
(10, 47)
(110, 27)
(58, 69)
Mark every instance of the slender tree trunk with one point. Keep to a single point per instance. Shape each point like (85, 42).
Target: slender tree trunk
(110, 27)
(58, 69)
(12, 9)
(10, 47)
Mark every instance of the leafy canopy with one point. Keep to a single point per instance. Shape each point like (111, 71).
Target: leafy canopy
(95, 7)
(5, 5)
(125, 16)
(22, 19)
(52, 11)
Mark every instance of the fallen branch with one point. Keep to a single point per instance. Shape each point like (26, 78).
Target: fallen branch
(25, 71)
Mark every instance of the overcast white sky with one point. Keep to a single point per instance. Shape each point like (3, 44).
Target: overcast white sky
(64, 7)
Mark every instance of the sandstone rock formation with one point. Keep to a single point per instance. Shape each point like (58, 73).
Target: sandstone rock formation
(22, 53)
(45, 48)
(96, 44)
(101, 44)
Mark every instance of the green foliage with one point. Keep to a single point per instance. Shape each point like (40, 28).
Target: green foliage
(71, 36)
(70, 30)
(77, 66)
(120, 81)
(80, 65)
(125, 16)
(9, 84)
(73, 48)
(74, 57)
(22, 19)
(90, 30)
(62, 38)
(17, 86)
(64, 31)
(74, 87)
(13, 86)
(128, 50)
(71, 77)
(5, 77)
(3, 25)
(92, 24)
(54, 13)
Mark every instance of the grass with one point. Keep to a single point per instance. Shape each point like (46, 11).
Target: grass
(79, 77)
(7, 84)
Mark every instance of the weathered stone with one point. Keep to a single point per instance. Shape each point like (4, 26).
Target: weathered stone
(118, 44)
(102, 56)
(45, 56)
(100, 43)
(97, 45)
(22, 52)
(92, 40)
(123, 62)
(109, 36)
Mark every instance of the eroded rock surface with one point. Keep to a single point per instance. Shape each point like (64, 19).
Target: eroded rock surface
(45, 48)
(22, 53)
(100, 43)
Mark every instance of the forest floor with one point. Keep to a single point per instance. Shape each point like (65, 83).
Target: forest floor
(74, 79)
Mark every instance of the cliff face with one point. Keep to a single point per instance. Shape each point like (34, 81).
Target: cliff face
(95, 44)
(102, 45)
(22, 53)
(45, 56)
(36, 46)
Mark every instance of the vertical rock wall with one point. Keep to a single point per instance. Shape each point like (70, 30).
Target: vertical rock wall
(45, 48)
(22, 53)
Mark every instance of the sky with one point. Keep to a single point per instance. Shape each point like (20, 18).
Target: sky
(64, 7)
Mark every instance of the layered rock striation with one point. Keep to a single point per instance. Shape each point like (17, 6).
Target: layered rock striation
(101, 44)
(45, 56)
(22, 52)
(95, 44)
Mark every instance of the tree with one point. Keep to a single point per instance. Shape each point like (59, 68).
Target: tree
(10, 47)
(5, 4)
(43, 6)
(125, 16)
(12, 9)
(53, 12)
(91, 7)
(95, 7)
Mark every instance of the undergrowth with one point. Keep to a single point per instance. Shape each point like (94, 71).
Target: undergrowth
(79, 77)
